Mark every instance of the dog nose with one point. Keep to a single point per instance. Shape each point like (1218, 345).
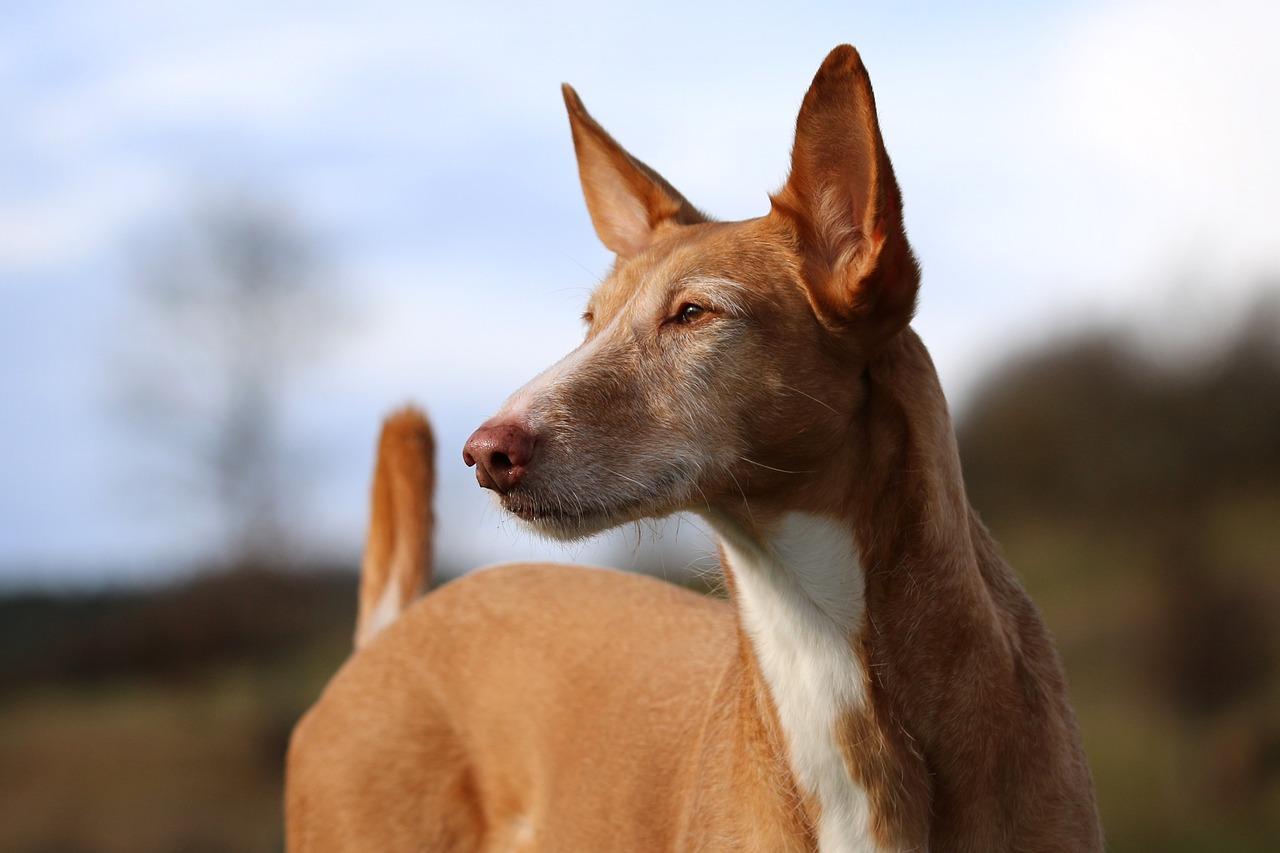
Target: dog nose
(501, 453)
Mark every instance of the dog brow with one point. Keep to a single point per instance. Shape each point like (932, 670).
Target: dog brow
(724, 293)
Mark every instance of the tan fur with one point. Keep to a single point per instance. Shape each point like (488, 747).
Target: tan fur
(541, 707)
(397, 556)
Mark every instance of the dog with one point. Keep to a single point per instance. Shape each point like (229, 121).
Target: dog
(878, 679)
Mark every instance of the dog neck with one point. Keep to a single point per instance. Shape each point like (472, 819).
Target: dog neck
(870, 622)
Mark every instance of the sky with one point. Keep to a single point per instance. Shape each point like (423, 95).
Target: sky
(1060, 163)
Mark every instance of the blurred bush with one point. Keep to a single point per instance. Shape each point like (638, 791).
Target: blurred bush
(172, 633)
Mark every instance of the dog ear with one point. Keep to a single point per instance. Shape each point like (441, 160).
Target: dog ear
(629, 202)
(843, 201)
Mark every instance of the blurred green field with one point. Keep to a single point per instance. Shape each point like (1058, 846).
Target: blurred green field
(1170, 776)
(1140, 505)
(170, 734)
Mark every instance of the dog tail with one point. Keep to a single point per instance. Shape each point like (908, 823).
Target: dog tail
(397, 556)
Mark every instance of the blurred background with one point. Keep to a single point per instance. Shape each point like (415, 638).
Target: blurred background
(233, 235)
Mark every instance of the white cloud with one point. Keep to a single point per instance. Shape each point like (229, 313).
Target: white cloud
(455, 329)
(1178, 101)
(61, 227)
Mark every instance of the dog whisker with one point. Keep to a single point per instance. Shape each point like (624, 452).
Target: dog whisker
(771, 468)
(745, 503)
(796, 390)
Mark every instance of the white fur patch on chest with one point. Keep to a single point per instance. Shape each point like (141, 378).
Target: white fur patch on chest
(802, 598)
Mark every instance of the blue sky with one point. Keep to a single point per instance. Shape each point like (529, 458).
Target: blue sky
(1060, 163)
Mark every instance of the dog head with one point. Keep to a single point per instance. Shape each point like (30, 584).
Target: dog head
(722, 361)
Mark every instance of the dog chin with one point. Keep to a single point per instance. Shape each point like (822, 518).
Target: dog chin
(547, 519)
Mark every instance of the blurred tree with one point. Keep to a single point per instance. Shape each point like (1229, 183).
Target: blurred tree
(231, 306)
(1095, 428)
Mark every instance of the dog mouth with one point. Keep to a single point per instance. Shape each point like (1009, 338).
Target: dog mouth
(559, 520)
(568, 517)
(531, 509)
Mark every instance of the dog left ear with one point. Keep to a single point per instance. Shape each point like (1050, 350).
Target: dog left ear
(843, 201)
(629, 202)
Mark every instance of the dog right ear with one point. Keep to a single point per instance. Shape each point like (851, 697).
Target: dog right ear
(629, 202)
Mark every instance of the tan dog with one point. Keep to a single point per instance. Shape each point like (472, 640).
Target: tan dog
(879, 681)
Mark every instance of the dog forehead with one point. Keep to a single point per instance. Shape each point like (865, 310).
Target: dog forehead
(734, 251)
(642, 281)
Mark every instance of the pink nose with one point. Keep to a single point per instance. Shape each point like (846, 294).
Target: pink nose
(501, 453)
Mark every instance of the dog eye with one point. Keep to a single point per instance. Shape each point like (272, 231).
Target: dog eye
(689, 312)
